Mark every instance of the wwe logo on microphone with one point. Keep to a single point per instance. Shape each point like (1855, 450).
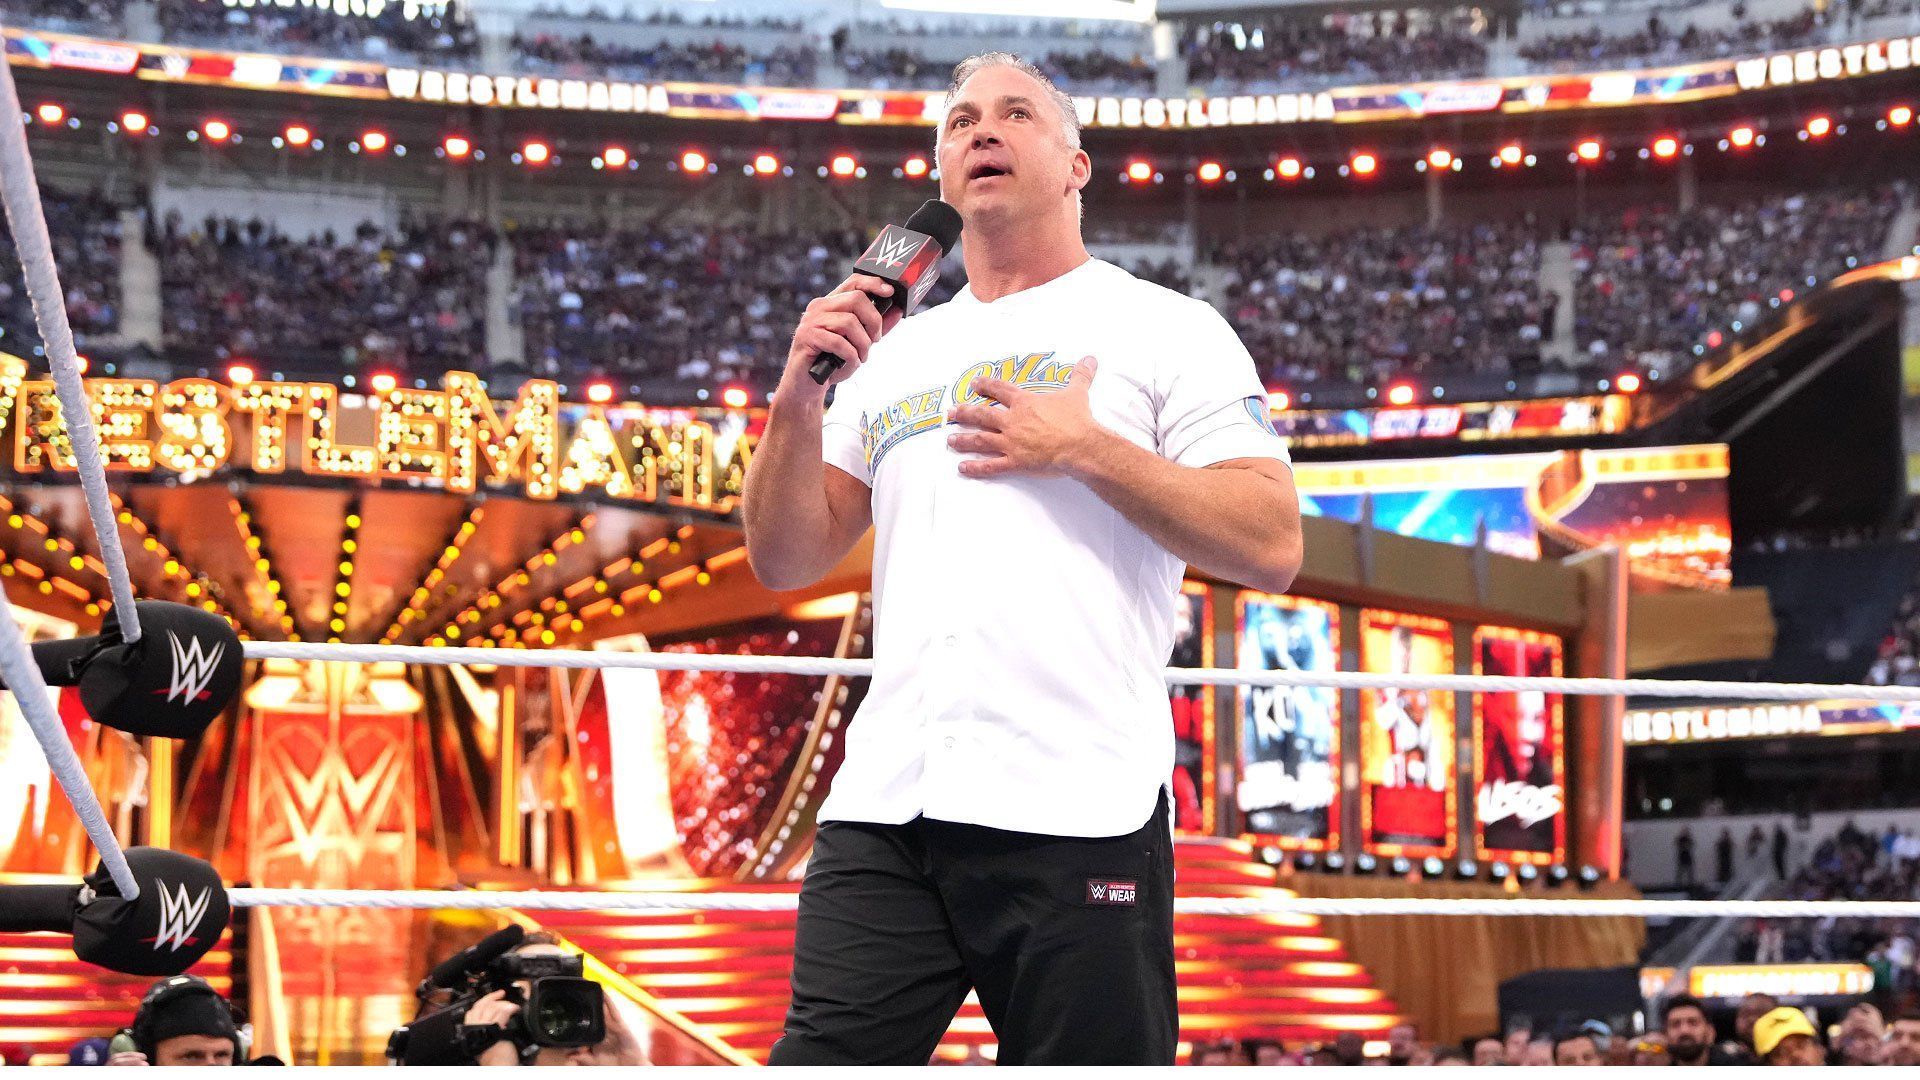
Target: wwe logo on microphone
(180, 915)
(193, 668)
(893, 247)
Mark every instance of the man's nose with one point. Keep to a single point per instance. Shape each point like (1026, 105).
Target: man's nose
(984, 136)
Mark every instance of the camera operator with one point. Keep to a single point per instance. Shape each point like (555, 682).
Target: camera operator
(182, 1021)
(620, 1047)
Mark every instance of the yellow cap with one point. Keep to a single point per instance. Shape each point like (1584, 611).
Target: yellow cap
(1770, 1029)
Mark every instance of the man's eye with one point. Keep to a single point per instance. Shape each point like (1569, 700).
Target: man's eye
(1021, 113)
(959, 121)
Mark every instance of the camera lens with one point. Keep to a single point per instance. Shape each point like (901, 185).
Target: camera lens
(562, 1019)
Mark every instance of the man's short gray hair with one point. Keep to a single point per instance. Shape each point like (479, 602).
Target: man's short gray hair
(965, 69)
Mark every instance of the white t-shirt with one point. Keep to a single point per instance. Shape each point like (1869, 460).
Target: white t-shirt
(1022, 624)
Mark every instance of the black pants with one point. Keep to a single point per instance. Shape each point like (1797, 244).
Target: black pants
(1068, 941)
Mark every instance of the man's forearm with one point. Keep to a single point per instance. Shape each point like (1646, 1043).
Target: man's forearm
(784, 505)
(1232, 523)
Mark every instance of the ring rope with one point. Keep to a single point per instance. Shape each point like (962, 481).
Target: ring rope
(535, 900)
(823, 665)
(29, 688)
(20, 191)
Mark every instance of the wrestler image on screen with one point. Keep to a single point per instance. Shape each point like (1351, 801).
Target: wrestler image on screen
(1407, 758)
(1519, 768)
(1289, 736)
(1192, 708)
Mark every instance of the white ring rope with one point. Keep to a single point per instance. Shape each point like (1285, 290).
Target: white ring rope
(822, 665)
(23, 677)
(20, 191)
(1186, 905)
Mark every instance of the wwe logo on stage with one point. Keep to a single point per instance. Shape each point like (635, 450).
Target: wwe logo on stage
(893, 247)
(193, 667)
(180, 915)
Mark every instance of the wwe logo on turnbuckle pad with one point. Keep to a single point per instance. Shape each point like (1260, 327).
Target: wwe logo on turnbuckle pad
(193, 668)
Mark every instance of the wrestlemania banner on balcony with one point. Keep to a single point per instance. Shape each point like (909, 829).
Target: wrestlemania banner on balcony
(1526, 93)
(455, 438)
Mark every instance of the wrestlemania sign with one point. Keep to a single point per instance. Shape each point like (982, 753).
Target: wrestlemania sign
(455, 438)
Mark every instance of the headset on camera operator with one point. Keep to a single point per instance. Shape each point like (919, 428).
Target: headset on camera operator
(182, 1021)
(517, 998)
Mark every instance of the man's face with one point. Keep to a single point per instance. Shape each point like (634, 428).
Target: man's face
(1538, 1054)
(1576, 1051)
(1903, 1043)
(1269, 1054)
(1517, 1041)
(1688, 1032)
(1402, 1039)
(1862, 1050)
(1489, 1052)
(193, 1050)
(1752, 1007)
(1798, 1050)
(1003, 150)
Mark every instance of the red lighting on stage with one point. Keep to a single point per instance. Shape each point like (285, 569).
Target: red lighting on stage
(217, 130)
(240, 375)
(693, 161)
(374, 141)
(1588, 150)
(734, 397)
(1786, 296)
(458, 146)
(1440, 158)
(1279, 399)
(1210, 172)
(1900, 115)
(51, 113)
(1819, 126)
(1665, 146)
(614, 157)
(599, 393)
(1364, 164)
(1400, 394)
(134, 122)
(915, 167)
(843, 165)
(1511, 153)
(1139, 171)
(383, 383)
(1627, 383)
(1741, 136)
(536, 153)
(1714, 339)
(766, 164)
(297, 135)
(1288, 168)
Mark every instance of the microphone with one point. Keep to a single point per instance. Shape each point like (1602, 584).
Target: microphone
(184, 671)
(907, 258)
(453, 971)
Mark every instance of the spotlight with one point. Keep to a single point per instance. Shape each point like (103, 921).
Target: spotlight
(1139, 171)
(457, 146)
(298, 135)
(1364, 164)
(536, 153)
(217, 130)
(1271, 855)
(1819, 127)
(599, 393)
(1900, 115)
(1499, 871)
(1334, 862)
(734, 397)
(1432, 866)
(693, 161)
(766, 164)
(239, 374)
(374, 142)
(614, 157)
(383, 383)
(1557, 875)
(1279, 399)
(1666, 146)
(915, 167)
(1401, 866)
(1400, 394)
(50, 113)
(1466, 869)
(1288, 168)
(1439, 158)
(1741, 136)
(1209, 172)
(134, 122)
(1511, 153)
(1627, 383)
(843, 165)
(1589, 876)
(1365, 863)
(1527, 873)
(1588, 150)
(1306, 860)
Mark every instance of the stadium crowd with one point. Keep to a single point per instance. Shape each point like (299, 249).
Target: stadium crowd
(319, 30)
(707, 61)
(86, 245)
(1852, 864)
(1661, 41)
(1345, 47)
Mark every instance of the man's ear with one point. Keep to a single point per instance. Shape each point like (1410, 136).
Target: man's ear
(1081, 171)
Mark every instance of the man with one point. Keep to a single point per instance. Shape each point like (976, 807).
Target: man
(1519, 1034)
(1752, 1008)
(1403, 1041)
(1489, 1050)
(1690, 1033)
(619, 1047)
(1903, 1039)
(1784, 1036)
(1537, 1053)
(1040, 458)
(1576, 1048)
(181, 1021)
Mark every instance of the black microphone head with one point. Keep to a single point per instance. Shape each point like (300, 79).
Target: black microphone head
(938, 220)
(453, 971)
(184, 671)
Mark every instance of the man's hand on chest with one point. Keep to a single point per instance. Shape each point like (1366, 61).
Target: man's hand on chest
(1026, 431)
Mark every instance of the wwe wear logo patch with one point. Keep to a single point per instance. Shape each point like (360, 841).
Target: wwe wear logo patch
(180, 916)
(1108, 892)
(193, 668)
